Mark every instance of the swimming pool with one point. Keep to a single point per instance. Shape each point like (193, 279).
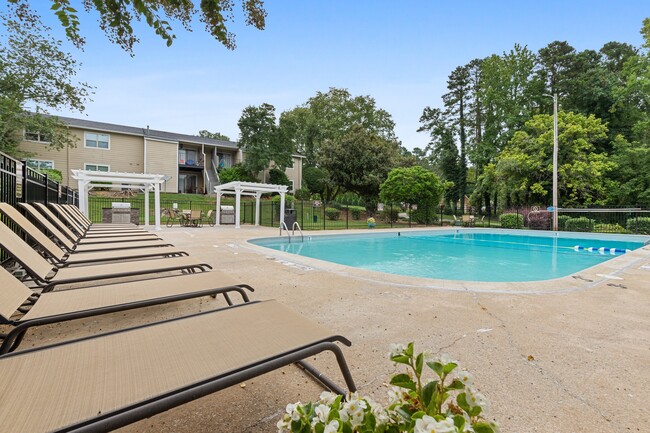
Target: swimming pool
(470, 255)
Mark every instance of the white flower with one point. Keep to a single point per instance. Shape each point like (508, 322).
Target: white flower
(475, 398)
(356, 418)
(322, 412)
(355, 404)
(466, 377)
(445, 359)
(332, 427)
(327, 397)
(394, 395)
(283, 426)
(292, 410)
(396, 349)
(428, 424)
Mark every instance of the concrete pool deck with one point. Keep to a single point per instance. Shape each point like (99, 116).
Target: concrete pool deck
(567, 355)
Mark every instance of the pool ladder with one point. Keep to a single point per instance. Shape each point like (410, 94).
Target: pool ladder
(295, 225)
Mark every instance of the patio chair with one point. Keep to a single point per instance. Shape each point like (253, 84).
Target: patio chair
(174, 215)
(61, 259)
(195, 218)
(468, 220)
(47, 276)
(107, 381)
(69, 246)
(210, 218)
(22, 309)
(457, 222)
(136, 242)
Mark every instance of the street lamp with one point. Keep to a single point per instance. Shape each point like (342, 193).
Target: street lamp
(555, 152)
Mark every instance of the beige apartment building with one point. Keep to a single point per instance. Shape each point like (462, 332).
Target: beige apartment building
(191, 163)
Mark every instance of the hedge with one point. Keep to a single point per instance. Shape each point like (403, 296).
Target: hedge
(639, 225)
(332, 213)
(580, 224)
(356, 211)
(511, 221)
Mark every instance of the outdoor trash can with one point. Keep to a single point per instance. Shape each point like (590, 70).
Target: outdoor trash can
(289, 217)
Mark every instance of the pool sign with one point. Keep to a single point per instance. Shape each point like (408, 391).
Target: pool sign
(550, 209)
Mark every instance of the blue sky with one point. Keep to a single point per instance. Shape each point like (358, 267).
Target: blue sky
(398, 52)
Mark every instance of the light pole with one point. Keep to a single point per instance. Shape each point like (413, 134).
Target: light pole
(555, 151)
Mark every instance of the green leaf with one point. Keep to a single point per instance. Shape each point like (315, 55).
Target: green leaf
(455, 384)
(482, 427)
(404, 413)
(475, 411)
(461, 399)
(319, 428)
(459, 422)
(437, 367)
(417, 415)
(403, 381)
(428, 392)
(409, 349)
(448, 368)
(401, 359)
(419, 362)
(346, 428)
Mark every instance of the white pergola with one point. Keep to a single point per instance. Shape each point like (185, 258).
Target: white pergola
(89, 179)
(251, 189)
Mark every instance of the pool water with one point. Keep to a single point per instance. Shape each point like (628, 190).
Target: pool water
(462, 254)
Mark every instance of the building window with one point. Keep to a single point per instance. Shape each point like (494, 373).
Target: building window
(97, 167)
(225, 160)
(97, 141)
(37, 136)
(39, 164)
(292, 188)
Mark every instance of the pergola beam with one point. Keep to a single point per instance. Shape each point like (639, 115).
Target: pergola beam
(251, 189)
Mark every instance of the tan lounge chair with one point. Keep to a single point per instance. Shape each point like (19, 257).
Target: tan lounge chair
(128, 242)
(83, 219)
(61, 259)
(82, 231)
(47, 276)
(61, 306)
(69, 246)
(107, 381)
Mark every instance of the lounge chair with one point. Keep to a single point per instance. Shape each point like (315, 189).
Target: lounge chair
(83, 219)
(107, 381)
(127, 241)
(83, 231)
(61, 306)
(69, 246)
(47, 276)
(61, 259)
(468, 220)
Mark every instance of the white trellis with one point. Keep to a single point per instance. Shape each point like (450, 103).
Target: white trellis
(147, 182)
(251, 189)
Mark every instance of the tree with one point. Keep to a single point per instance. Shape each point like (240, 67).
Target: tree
(525, 167)
(261, 139)
(412, 185)
(632, 177)
(116, 18)
(359, 162)
(216, 135)
(34, 71)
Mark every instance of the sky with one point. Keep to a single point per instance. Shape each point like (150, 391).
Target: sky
(398, 52)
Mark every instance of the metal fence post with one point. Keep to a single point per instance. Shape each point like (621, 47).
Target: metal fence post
(347, 216)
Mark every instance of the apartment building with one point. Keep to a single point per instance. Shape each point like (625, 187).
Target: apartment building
(191, 163)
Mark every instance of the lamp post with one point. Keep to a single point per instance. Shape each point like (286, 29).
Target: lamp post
(555, 152)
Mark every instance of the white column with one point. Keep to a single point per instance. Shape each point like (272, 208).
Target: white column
(281, 208)
(237, 206)
(83, 196)
(217, 213)
(146, 206)
(156, 190)
(257, 208)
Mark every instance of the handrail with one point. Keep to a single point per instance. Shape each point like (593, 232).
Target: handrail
(293, 230)
(283, 224)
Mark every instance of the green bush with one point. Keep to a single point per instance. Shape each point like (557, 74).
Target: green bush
(609, 228)
(356, 211)
(288, 201)
(561, 221)
(580, 224)
(640, 225)
(511, 221)
(278, 177)
(425, 215)
(236, 173)
(302, 194)
(332, 213)
(390, 214)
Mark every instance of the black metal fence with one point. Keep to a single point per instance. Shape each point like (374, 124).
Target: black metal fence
(314, 215)
(20, 183)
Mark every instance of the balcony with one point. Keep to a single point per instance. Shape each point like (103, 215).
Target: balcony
(190, 164)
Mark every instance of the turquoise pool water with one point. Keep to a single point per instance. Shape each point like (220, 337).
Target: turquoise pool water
(464, 254)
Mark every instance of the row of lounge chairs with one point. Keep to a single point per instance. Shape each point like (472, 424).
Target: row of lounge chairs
(102, 382)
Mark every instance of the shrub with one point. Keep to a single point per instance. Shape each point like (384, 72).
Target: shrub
(278, 177)
(538, 220)
(390, 214)
(609, 228)
(302, 194)
(425, 215)
(288, 201)
(236, 173)
(332, 213)
(356, 211)
(580, 224)
(561, 221)
(511, 221)
(639, 225)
